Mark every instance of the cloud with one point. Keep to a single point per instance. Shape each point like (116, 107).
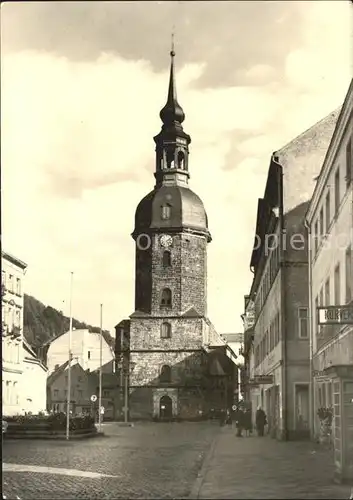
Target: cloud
(238, 41)
(77, 134)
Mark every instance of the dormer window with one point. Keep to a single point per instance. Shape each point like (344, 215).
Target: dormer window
(167, 260)
(166, 330)
(166, 212)
(166, 298)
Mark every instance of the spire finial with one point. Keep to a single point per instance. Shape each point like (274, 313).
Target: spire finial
(172, 52)
(172, 111)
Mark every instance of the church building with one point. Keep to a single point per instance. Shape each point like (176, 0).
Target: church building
(178, 366)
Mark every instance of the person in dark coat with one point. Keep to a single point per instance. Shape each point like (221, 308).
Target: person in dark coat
(248, 422)
(261, 421)
(239, 421)
(229, 418)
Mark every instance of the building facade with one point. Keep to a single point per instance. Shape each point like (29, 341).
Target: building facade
(12, 300)
(330, 225)
(170, 337)
(277, 347)
(85, 347)
(34, 382)
(80, 393)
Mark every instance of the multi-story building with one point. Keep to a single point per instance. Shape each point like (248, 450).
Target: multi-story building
(248, 318)
(330, 225)
(85, 347)
(34, 381)
(174, 373)
(280, 382)
(80, 392)
(13, 271)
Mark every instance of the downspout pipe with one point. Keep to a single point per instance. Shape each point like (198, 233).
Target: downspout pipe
(284, 342)
(312, 317)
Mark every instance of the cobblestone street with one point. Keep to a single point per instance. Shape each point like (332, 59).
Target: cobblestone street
(146, 461)
(252, 467)
(188, 460)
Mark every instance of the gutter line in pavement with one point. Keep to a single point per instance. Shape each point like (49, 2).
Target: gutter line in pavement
(196, 488)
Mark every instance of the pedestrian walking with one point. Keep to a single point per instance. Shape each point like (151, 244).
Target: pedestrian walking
(229, 418)
(261, 421)
(248, 422)
(239, 421)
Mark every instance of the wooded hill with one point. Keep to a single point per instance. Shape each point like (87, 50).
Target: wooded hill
(43, 323)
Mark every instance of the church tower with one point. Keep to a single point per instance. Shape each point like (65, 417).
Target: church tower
(169, 326)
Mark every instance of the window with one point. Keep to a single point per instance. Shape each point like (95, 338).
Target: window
(303, 322)
(106, 394)
(65, 394)
(3, 278)
(18, 286)
(321, 222)
(337, 284)
(349, 163)
(89, 354)
(337, 190)
(316, 236)
(327, 292)
(10, 283)
(166, 298)
(316, 311)
(349, 276)
(166, 330)
(167, 261)
(328, 215)
(166, 373)
(166, 212)
(181, 159)
(322, 296)
(56, 393)
(80, 394)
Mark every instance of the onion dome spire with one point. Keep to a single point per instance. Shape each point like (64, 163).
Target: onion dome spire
(172, 111)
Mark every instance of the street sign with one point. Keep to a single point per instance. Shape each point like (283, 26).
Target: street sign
(335, 315)
(102, 410)
(93, 398)
(261, 380)
(234, 407)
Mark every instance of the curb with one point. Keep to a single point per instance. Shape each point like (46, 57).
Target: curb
(196, 488)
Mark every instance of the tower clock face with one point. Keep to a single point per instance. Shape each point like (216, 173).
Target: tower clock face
(166, 240)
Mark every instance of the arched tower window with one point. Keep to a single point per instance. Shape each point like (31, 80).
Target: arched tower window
(170, 158)
(166, 212)
(181, 160)
(166, 330)
(167, 260)
(166, 298)
(166, 374)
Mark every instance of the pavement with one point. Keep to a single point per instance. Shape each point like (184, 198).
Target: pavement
(149, 460)
(170, 461)
(254, 467)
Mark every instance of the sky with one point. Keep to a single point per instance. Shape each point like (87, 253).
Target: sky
(82, 84)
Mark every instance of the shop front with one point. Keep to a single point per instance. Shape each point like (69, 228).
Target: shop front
(342, 384)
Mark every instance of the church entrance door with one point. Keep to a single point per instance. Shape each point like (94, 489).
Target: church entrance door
(165, 408)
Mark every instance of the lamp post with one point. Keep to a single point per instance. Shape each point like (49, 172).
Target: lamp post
(100, 370)
(69, 367)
